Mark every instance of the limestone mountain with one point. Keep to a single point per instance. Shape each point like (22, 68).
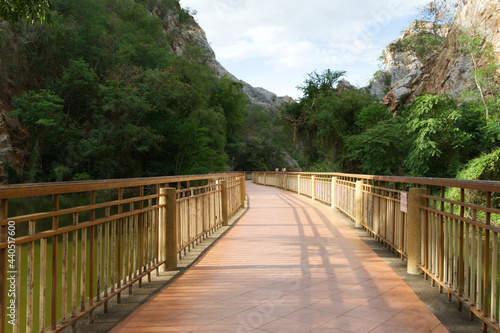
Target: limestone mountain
(446, 71)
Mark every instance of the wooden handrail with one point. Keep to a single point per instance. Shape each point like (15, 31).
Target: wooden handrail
(110, 252)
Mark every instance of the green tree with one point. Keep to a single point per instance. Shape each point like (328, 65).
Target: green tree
(29, 11)
(42, 114)
(444, 136)
(382, 145)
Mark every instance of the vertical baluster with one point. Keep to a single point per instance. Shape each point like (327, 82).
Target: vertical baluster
(446, 249)
(473, 265)
(466, 261)
(140, 236)
(121, 257)
(432, 240)
(393, 216)
(456, 255)
(156, 230)
(17, 326)
(54, 286)
(494, 272)
(31, 284)
(91, 257)
(486, 275)
(107, 266)
(64, 281)
(461, 255)
(43, 286)
(114, 279)
(479, 269)
(131, 245)
(441, 241)
(74, 270)
(426, 232)
(83, 269)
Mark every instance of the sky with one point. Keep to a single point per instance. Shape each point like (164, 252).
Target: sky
(274, 44)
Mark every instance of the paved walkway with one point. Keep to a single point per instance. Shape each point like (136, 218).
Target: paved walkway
(289, 265)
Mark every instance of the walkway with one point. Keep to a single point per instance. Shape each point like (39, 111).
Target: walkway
(289, 265)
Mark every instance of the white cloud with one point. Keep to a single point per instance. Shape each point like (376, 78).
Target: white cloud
(281, 37)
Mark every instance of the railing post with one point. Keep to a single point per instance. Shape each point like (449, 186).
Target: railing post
(168, 228)
(414, 229)
(313, 187)
(265, 179)
(334, 192)
(242, 191)
(298, 184)
(224, 202)
(285, 182)
(359, 204)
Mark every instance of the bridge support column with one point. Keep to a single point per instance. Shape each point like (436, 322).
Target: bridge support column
(334, 192)
(414, 230)
(224, 202)
(359, 204)
(168, 229)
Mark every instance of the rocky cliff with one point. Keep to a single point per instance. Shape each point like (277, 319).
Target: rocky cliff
(193, 34)
(401, 60)
(449, 70)
(12, 137)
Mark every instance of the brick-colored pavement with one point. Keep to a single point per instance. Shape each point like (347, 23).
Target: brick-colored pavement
(289, 265)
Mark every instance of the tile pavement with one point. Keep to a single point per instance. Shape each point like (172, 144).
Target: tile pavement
(289, 265)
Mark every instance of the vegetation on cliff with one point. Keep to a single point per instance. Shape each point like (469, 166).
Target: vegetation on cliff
(103, 95)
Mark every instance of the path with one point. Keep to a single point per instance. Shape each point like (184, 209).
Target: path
(289, 265)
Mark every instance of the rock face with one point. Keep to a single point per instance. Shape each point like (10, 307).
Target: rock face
(449, 70)
(11, 138)
(192, 34)
(399, 62)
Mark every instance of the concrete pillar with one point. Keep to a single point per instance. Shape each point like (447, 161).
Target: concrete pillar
(414, 230)
(334, 192)
(359, 204)
(168, 228)
(225, 215)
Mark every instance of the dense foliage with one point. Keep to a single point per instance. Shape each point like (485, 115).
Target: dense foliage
(103, 96)
(437, 136)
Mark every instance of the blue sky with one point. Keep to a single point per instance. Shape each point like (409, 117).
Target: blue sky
(274, 44)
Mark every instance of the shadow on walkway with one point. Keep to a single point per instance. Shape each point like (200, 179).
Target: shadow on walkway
(288, 265)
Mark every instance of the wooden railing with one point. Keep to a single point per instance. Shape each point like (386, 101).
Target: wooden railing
(458, 227)
(58, 264)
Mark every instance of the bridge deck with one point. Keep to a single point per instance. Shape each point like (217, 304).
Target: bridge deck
(289, 265)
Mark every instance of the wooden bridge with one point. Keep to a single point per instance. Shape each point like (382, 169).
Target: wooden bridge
(289, 265)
